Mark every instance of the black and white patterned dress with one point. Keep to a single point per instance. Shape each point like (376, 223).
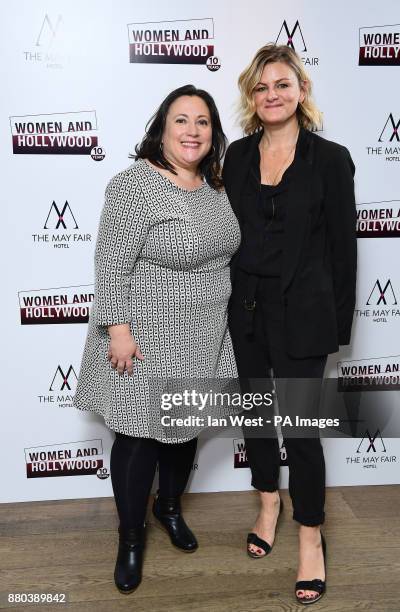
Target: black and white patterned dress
(162, 265)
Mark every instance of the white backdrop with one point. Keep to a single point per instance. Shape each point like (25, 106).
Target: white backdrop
(66, 65)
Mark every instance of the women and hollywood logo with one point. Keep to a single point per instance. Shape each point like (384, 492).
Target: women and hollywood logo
(72, 133)
(188, 41)
(379, 45)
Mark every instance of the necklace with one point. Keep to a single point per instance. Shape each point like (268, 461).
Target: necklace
(273, 182)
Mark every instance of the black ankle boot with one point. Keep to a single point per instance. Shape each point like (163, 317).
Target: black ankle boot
(128, 569)
(168, 511)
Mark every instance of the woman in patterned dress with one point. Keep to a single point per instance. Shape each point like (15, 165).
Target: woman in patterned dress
(162, 285)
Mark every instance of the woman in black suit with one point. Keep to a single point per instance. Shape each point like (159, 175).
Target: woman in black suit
(293, 282)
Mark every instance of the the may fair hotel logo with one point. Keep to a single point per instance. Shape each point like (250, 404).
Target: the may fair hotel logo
(47, 41)
(291, 35)
(60, 229)
(189, 41)
(60, 388)
(380, 46)
(387, 144)
(60, 305)
(72, 133)
(381, 305)
(371, 452)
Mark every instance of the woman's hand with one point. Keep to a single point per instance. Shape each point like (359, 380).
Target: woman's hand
(123, 348)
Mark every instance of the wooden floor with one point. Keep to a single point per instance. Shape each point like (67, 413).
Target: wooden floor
(70, 547)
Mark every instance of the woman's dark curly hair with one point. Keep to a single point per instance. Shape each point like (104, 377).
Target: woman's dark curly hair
(149, 148)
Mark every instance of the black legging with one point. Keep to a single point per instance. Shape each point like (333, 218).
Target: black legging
(133, 465)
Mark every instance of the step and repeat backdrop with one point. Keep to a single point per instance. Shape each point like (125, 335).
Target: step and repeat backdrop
(80, 81)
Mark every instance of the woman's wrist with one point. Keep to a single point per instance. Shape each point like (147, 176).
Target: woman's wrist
(120, 330)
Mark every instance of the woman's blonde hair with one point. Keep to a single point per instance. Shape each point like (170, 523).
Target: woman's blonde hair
(308, 114)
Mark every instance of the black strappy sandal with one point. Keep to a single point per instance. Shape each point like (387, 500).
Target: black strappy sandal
(312, 585)
(252, 538)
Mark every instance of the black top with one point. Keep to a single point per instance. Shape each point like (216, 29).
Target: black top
(319, 258)
(263, 210)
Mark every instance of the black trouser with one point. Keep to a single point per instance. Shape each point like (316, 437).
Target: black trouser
(260, 347)
(133, 466)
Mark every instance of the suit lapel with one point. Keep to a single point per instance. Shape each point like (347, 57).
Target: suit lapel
(297, 217)
(241, 170)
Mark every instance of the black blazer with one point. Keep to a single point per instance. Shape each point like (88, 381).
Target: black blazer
(318, 276)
